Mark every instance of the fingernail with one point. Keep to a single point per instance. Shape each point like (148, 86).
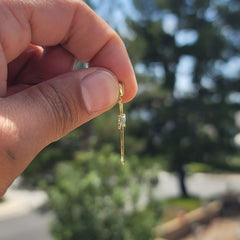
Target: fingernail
(100, 90)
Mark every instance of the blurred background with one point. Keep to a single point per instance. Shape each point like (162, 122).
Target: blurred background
(182, 137)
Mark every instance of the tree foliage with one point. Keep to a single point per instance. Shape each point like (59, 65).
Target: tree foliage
(193, 41)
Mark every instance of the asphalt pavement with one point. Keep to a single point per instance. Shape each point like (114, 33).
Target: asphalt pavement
(30, 226)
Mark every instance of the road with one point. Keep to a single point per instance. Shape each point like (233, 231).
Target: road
(32, 226)
(205, 186)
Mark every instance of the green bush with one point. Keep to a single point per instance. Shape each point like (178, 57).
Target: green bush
(96, 198)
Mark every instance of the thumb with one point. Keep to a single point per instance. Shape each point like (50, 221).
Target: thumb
(45, 112)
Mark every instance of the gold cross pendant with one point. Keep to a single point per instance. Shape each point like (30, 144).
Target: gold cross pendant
(121, 122)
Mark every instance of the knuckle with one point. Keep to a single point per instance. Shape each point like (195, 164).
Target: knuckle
(62, 108)
(18, 23)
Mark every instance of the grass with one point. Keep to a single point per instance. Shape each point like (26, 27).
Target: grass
(200, 168)
(172, 207)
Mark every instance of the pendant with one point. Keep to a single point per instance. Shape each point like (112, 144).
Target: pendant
(121, 122)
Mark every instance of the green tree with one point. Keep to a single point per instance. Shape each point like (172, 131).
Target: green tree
(196, 41)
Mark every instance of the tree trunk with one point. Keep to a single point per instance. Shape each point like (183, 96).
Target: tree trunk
(181, 179)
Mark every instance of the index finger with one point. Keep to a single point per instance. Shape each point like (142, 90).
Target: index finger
(70, 23)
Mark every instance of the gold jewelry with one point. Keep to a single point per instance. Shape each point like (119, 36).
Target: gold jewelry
(121, 122)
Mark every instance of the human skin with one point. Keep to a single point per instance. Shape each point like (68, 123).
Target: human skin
(41, 98)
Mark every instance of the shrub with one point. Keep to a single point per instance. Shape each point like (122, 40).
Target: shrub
(96, 198)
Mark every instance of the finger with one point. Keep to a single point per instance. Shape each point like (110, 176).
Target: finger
(55, 61)
(70, 23)
(16, 89)
(37, 64)
(33, 118)
(15, 68)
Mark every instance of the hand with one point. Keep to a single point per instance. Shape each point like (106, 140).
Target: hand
(42, 99)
